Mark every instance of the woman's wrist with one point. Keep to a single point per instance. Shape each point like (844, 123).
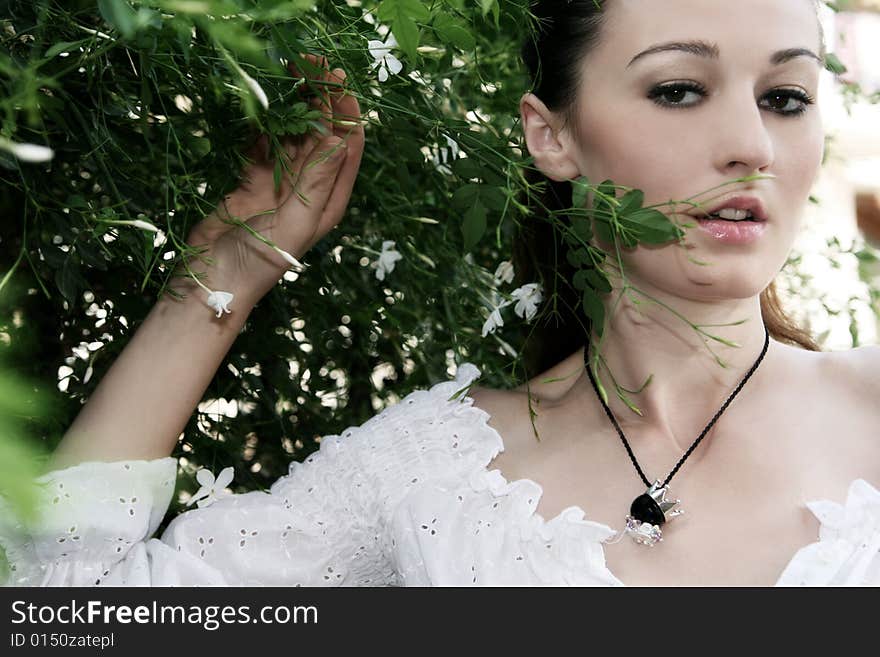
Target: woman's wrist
(213, 290)
(215, 302)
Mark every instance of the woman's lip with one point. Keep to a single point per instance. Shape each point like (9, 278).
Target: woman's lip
(733, 232)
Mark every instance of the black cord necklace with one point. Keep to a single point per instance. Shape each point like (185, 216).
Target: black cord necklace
(649, 510)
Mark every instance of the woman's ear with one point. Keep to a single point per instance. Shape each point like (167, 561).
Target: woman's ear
(545, 141)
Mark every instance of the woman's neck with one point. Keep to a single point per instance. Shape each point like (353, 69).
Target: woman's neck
(688, 385)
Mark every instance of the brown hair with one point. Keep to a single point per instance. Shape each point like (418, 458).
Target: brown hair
(552, 52)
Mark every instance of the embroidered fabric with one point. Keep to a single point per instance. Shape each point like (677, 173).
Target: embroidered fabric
(405, 499)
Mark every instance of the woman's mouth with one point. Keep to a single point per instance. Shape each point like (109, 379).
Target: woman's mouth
(732, 231)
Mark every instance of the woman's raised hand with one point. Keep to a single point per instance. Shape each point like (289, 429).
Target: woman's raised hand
(312, 198)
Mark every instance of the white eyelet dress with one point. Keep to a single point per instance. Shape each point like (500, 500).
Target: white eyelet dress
(405, 499)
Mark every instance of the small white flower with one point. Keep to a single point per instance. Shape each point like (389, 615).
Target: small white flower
(144, 225)
(384, 60)
(212, 489)
(256, 89)
(504, 273)
(527, 297)
(219, 301)
(252, 84)
(27, 152)
(385, 264)
(494, 321)
(293, 261)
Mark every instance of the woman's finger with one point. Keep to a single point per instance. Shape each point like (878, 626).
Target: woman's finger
(347, 109)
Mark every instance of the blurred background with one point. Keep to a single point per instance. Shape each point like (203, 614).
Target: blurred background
(839, 275)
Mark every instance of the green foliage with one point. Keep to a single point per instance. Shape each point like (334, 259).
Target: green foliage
(22, 401)
(148, 110)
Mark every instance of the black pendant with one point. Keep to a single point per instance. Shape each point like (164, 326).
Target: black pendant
(648, 512)
(645, 509)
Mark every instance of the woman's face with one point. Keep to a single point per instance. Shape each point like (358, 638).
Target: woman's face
(675, 123)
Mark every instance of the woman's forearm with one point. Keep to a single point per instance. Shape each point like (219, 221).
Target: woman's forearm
(147, 396)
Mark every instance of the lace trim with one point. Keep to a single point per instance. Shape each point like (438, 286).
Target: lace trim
(848, 550)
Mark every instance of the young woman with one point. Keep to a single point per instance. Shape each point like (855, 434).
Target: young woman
(768, 455)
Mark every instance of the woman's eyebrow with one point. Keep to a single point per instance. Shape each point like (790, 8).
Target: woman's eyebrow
(711, 51)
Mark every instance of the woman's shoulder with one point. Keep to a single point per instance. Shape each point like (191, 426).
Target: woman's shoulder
(515, 413)
(854, 373)
(843, 387)
(859, 366)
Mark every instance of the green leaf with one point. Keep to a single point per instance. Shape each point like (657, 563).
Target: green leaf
(200, 146)
(598, 281)
(453, 31)
(631, 201)
(415, 9)
(604, 232)
(90, 255)
(466, 168)
(21, 401)
(407, 34)
(64, 46)
(652, 226)
(473, 226)
(627, 237)
(493, 198)
(606, 192)
(866, 256)
(580, 257)
(580, 187)
(833, 64)
(183, 33)
(18, 469)
(119, 14)
(464, 197)
(604, 206)
(69, 280)
(236, 37)
(594, 309)
(76, 201)
(854, 329)
(403, 14)
(581, 227)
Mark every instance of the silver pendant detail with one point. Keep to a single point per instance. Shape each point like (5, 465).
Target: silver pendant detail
(648, 512)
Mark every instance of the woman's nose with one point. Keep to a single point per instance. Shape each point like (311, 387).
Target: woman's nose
(744, 144)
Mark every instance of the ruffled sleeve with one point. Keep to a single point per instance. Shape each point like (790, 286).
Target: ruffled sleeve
(324, 523)
(91, 516)
(848, 550)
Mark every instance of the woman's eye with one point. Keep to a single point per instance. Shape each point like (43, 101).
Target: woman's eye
(676, 95)
(788, 101)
